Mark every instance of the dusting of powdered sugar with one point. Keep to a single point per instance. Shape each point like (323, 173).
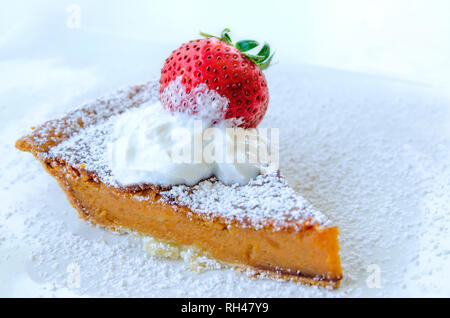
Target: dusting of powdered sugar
(94, 112)
(267, 197)
(88, 148)
(200, 101)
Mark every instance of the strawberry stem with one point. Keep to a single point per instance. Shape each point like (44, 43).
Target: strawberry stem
(262, 58)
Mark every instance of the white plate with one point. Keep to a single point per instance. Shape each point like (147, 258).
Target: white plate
(372, 153)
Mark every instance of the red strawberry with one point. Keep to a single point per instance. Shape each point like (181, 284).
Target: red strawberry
(225, 68)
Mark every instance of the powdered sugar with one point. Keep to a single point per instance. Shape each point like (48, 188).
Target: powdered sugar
(266, 198)
(200, 101)
(91, 113)
(88, 148)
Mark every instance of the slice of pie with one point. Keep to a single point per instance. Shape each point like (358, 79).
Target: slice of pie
(263, 225)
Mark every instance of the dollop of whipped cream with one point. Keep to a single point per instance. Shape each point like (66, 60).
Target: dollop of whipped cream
(154, 146)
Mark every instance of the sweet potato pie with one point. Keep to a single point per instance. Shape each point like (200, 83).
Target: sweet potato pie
(263, 225)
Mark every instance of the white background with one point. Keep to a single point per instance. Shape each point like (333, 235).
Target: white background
(409, 39)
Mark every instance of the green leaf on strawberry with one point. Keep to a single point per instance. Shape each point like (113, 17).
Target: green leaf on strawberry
(246, 45)
(262, 58)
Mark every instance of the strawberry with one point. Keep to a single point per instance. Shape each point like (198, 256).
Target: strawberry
(225, 68)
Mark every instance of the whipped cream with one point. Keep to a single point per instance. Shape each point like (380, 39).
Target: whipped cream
(152, 145)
